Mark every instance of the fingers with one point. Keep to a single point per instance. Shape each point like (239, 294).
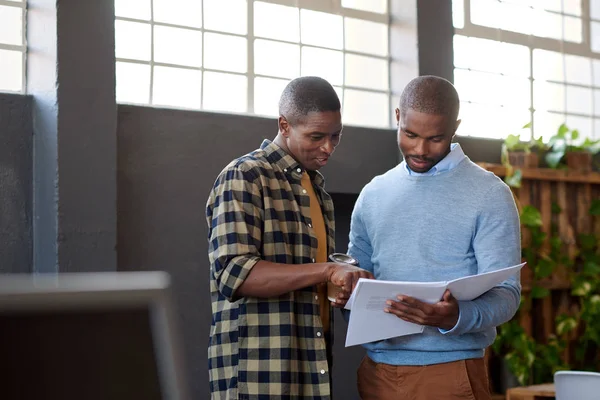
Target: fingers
(366, 274)
(448, 297)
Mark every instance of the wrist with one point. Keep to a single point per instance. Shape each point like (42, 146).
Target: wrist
(327, 272)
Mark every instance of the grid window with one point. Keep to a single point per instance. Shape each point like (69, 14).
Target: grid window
(12, 45)
(518, 61)
(238, 55)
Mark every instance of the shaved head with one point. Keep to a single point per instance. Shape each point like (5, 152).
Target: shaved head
(307, 94)
(430, 95)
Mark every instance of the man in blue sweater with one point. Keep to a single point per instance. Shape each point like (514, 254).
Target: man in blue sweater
(437, 216)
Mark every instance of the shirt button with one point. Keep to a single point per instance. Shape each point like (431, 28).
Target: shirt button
(285, 170)
(313, 260)
(299, 170)
(316, 297)
(322, 372)
(304, 191)
(319, 334)
(310, 225)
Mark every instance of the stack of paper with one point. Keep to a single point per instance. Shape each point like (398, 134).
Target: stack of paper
(368, 321)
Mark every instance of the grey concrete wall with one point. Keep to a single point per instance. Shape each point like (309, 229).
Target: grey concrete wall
(71, 76)
(16, 135)
(436, 35)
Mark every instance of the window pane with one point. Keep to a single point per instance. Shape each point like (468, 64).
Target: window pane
(596, 128)
(545, 124)
(365, 108)
(595, 9)
(549, 96)
(11, 70)
(366, 72)
(276, 58)
(486, 13)
(133, 83)
(548, 65)
(458, 13)
(321, 29)
(572, 7)
(548, 24)
(595, 36)
(179, 12)
(552, 5)
(139, 9)
(11, 25)
(578, 70)
(596, 69)
(499, 89)
(514, 17)
(573, 30)
(328, 64)
(376, 6)
(579, 100)
(267, 92)
(490, 121)
(226, 16)
(177, 87)
(366, 36)
(177, 46)
(491, 56)
(225, 52)
(132, 40)
(225, 92)
(276, 22)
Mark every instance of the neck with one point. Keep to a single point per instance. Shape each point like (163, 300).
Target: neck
(281, 143)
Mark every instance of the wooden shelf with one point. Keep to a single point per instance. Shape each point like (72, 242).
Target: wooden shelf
(547, 174)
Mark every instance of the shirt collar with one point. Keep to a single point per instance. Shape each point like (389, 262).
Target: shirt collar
(277, 156)
(451, 160)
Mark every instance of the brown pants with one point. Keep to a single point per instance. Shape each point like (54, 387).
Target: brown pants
(464, 379)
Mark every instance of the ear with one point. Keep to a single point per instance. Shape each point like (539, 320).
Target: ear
(284, 126)
(397, 115)
(457, 125)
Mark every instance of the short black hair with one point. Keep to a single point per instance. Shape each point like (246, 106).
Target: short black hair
(305, 94)
(430, 95)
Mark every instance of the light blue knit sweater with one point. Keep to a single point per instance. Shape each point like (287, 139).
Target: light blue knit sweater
(437, 228)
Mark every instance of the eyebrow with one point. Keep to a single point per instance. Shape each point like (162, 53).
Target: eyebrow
(441, 135)
(324, 134)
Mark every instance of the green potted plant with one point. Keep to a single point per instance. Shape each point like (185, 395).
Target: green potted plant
(566, 149)
(517, 153)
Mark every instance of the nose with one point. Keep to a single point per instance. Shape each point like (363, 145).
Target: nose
(421, 148)
(328, 146)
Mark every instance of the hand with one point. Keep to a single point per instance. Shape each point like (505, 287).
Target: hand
(443, 314)
(345, 276)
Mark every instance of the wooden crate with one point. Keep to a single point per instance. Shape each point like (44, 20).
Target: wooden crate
(573, 192)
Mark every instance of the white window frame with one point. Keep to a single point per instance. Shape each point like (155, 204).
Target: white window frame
(328, 6)
(582, 49)
(22, 48)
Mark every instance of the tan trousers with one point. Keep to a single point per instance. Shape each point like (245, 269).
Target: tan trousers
(464, 379)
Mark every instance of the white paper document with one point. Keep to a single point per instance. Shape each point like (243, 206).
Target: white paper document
(369, 323)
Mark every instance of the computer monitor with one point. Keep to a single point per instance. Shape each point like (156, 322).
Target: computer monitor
(89, 336)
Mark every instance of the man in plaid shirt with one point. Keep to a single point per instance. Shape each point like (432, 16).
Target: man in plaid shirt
(270, 229)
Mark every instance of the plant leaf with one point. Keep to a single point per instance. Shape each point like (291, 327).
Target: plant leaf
(595, 207)
(553, 158)
(538, 292)
(530, 216)
(562, 131)
(514, 180)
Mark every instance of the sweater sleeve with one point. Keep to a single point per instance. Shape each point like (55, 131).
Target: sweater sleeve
(360, 244)
(497, 244)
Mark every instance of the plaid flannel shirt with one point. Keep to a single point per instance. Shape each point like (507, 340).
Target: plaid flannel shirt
(265, 348)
